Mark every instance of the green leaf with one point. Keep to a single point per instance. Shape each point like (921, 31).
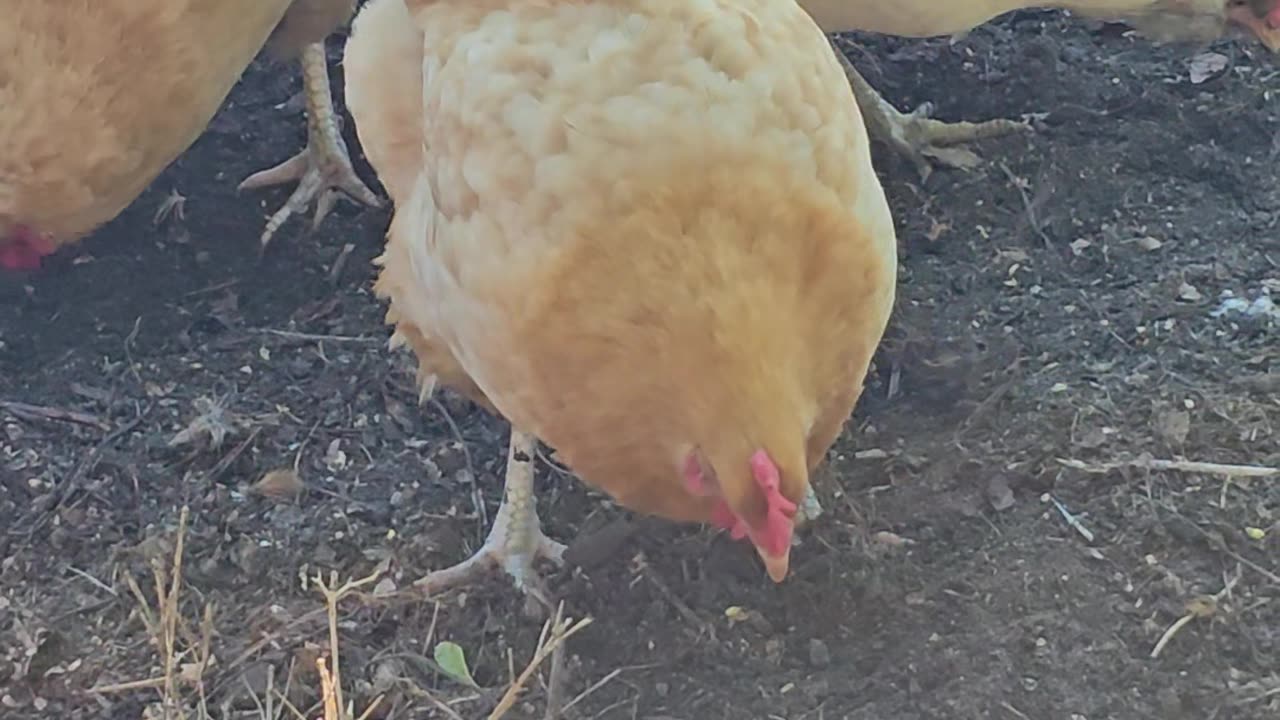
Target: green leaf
(453, 661)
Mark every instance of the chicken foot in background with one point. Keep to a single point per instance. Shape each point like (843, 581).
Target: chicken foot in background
(324, 166)
(516, 540)
(916, 136)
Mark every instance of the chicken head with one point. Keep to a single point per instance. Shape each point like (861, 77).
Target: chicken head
(1261, 17)
(769, 531)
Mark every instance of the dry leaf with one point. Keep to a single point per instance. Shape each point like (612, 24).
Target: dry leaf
(1205, 65)
(283, 484)
(211, 426)
(1149, 244)
(385, 586)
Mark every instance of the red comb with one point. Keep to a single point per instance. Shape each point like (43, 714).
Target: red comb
(778, 524)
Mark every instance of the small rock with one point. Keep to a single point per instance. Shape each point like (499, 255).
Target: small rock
(999, 494)
(774, 648)
(1188, 292)
(819, 654)
(817, 688)
(662, 689)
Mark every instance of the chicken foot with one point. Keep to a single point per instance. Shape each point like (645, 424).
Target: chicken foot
(916, 136)
(323, 167)
(515, 541)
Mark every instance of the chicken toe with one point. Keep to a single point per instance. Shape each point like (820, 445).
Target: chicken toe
(917, 137)
(515, 541)
(323, 168)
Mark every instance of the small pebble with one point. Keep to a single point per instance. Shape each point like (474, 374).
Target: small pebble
(662, 689)
(819, 655)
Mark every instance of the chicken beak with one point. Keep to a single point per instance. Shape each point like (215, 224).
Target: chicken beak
(776, 566)
(1266, 29)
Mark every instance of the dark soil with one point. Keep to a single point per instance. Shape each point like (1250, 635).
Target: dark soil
(1055, 303)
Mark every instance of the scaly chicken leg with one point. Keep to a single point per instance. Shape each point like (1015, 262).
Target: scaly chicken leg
(323, 167)
(516, 540)
(917, 137)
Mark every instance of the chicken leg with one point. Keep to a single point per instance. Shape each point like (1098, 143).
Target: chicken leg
(516, 540)
(917, 137)
(324, 165)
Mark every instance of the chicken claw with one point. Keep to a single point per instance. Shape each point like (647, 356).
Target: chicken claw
(917, 137)
(324, 165)
(515, 541)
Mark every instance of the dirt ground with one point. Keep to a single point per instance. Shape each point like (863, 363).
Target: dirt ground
(1055, 303)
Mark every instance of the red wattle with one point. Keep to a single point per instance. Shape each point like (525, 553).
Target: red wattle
(19, 257)
(24, 248)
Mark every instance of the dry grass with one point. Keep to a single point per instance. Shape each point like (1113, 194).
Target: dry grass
(185, 658)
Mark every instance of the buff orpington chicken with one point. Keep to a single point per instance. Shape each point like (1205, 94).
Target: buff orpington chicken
(647, 232)
(97, 98)
(925, 141)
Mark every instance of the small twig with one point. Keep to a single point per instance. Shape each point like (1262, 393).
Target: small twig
(554, 633)
(431, 631)
(1173, 630)
(128, 348)
(221, 466)
(311, 337)
(685, 611)
(453, 714)
(1072, 520)
(328, 690)
(331, 599)
(130, 686)
(477, 497)
(27, 411)
(41, 511)
(594, 687)
(555, 685)
(1014, 711)
(1217, 543)
(167, 603)
(266, 640)
(1202, 607)
(93, 581)
(335, 273)
(1191, 466)
(1030, 205)
(212, 288)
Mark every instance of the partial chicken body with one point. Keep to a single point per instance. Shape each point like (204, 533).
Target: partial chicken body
(925, 141)
(97, 98)
(645, 231)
